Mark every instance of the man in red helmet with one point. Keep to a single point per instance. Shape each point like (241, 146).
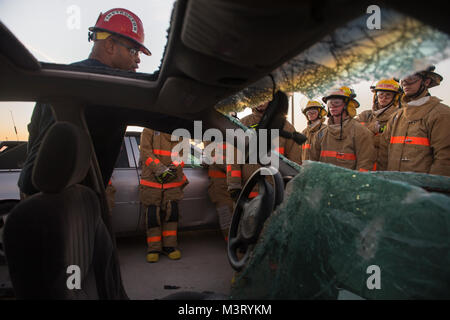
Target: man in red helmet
(118, 37)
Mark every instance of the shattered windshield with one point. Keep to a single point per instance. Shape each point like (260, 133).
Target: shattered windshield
(352, 54)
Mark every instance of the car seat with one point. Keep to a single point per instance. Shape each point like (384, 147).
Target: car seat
(50, 232)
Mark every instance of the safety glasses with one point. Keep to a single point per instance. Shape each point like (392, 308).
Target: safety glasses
(336, 102)
(410, 80)
(385, 94)
(133, 51)
(312, 111)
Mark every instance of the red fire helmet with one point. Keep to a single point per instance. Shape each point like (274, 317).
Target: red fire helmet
(124, 23)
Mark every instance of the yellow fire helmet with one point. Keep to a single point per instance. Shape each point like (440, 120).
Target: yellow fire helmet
(317, 105)
(390, 85)
(349, 96)
(386, 85)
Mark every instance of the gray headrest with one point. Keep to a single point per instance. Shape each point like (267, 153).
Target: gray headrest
(64, 158)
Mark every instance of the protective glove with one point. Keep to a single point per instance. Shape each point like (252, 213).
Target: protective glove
(167, 175)
(299, 138)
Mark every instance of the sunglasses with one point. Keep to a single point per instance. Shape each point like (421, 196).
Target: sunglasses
(133, 51)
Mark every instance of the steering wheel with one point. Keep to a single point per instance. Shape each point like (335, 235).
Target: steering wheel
(250, 214)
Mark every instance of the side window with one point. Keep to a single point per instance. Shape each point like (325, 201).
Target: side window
(138, 140)
(14, 119)
(12, 155)
(196, 154)
(122, 159)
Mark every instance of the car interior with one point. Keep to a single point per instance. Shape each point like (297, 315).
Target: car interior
(215, 49)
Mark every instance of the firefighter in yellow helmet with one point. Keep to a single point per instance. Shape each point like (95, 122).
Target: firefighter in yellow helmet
(315, 113)
(417, 137)
(160, 190)
(386, 101)
(344, 142)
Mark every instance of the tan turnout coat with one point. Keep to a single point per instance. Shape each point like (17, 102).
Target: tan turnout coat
(417, 138)
(354, 150)
(156, 154)
(310, 131)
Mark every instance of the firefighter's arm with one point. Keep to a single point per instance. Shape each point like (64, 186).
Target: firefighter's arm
(149, 162)
(365, 150)
(293, 151)
(234, 171)
(363, 117)
(234, 176)
(234, 179)
(440, 144)
(178, 161)
(316, 145)
(383, 147)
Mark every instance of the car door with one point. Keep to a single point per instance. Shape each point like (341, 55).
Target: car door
(125, 179)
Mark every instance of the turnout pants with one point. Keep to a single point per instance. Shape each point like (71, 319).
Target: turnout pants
(162, 225)
(219, 195)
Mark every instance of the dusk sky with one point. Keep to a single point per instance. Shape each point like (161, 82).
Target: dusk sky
(56, 31)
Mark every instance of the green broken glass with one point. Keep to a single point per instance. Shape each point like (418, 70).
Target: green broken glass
(335, 227)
